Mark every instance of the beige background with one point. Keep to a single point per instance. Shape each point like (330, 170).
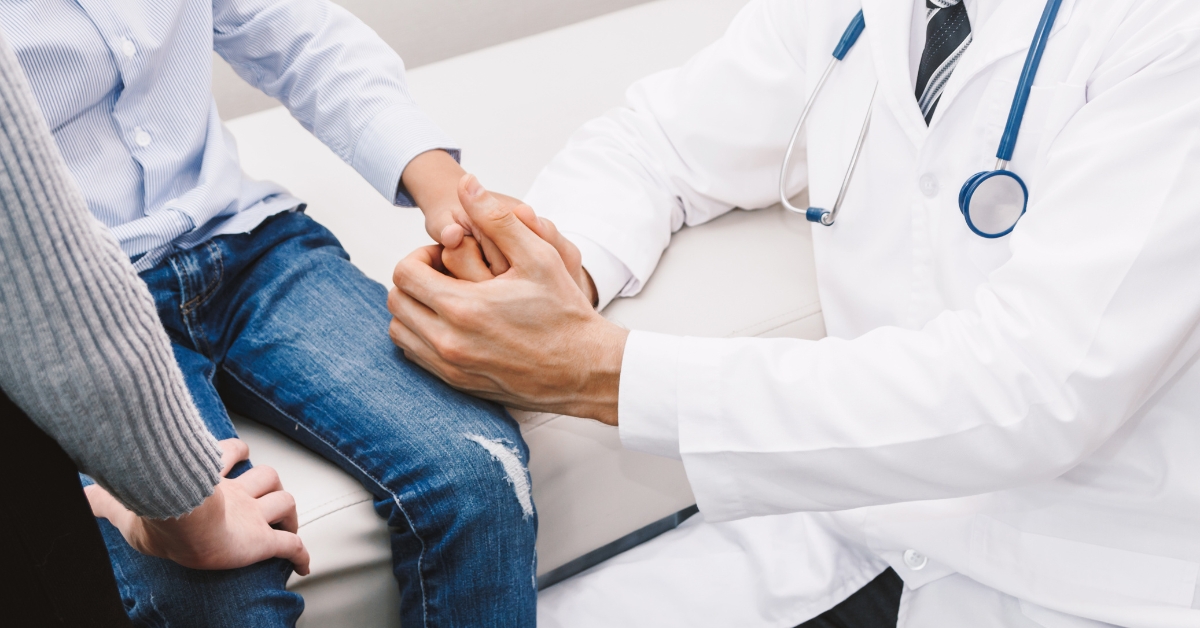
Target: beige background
(424, 31)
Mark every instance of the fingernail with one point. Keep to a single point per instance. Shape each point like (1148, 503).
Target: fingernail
(473, 187)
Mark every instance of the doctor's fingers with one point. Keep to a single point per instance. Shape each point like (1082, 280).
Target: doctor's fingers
(495, 259)
(570, 254)
(419, 276)
(438, 334)
(421, 352)
(546, 230)
(491, 257)
(497, 263)
(497, 221)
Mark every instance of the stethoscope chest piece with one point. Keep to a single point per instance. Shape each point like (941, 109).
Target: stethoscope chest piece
(993, 201)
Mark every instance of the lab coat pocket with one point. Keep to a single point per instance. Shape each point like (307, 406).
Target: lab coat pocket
(1049, 109)
(1039, 567)
(992, 118)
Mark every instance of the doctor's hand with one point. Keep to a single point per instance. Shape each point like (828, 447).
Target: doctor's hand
(462, 256)
(246, 520)
(528, 338)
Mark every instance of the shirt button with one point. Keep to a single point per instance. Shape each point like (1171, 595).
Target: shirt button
(929, 185)
(141, 137)
(915, 560)
(127, 47)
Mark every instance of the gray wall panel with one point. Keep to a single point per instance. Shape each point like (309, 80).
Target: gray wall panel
(424, 31)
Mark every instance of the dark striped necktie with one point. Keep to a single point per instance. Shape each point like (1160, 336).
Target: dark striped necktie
(947, 36)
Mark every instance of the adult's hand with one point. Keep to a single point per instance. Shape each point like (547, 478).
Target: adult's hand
(463, 258)
(529, 338)
(230, 529)
(432, 178)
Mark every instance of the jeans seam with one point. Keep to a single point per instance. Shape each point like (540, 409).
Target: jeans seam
(158, 616)
(185, 314)
(187, 309)
(395, 497)
(191, 304)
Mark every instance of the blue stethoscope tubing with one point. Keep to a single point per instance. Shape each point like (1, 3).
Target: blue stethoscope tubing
(1008, 140)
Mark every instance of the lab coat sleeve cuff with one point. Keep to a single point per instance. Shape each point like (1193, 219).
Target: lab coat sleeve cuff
(390, 142)
(608, 273)
(647, 404)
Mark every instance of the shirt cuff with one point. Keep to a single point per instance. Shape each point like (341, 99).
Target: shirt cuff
(608, 273)
(648, 400)
(390, 142)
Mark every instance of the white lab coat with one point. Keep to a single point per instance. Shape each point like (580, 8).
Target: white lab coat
(1020, 414)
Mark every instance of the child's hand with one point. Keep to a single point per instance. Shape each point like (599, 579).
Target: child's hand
(450, 225)
(432, 179)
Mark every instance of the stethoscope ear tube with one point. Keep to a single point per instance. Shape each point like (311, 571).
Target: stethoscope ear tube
(849, 38)
(791, 147)
(1000, 189)
(828, 218)
(1008, 142)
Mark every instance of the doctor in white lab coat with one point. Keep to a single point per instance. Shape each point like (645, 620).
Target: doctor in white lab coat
(1011, 424)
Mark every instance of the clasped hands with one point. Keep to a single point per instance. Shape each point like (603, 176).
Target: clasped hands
(522, 332)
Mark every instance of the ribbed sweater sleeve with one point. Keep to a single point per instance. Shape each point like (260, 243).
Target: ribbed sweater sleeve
(83, 352)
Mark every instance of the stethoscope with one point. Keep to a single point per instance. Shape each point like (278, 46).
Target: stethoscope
(991, 201)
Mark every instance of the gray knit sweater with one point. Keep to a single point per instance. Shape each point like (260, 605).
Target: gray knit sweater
(81, 349)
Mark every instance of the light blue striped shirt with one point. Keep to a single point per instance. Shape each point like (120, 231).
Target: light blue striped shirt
(126, 88)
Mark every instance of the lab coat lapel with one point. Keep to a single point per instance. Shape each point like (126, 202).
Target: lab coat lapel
(1008, 30)
(889, 33)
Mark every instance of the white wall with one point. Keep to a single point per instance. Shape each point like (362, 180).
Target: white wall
(424, 31)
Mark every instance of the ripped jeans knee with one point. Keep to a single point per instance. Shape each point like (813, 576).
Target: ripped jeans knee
(512, 462)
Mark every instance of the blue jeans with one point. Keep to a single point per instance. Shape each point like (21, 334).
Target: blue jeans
(278, 326)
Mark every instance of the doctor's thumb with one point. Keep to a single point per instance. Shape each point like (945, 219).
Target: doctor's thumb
(498, 221)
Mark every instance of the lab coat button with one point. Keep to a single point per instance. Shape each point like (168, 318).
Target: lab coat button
(141, 137)
(929, 185)
(915, 560)
(127, 47)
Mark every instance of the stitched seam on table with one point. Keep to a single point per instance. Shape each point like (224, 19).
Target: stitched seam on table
(553, 416)
(334, 499)
(544, 423)
(789, 322)
(395, 498)
(786, 317)
(334, 511)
